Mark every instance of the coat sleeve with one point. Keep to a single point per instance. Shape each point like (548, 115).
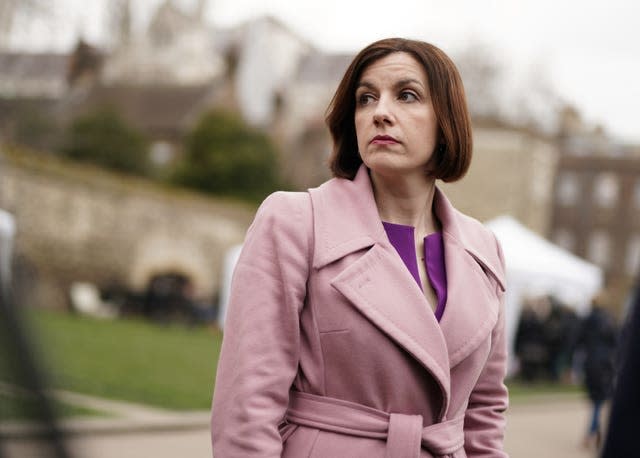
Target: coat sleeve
(260, 349)
(484, 422)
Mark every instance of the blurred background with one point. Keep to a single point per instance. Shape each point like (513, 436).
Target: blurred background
(137, 138)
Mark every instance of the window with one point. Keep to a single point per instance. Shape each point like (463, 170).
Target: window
(568, 189)
(564, 238)
(598, 248)
(605, 190)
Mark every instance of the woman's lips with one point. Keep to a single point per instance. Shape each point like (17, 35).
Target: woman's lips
(384, 140)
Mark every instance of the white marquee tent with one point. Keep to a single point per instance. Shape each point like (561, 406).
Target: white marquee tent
(537, 267)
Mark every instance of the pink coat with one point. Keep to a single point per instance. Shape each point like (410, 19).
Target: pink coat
(331, 349)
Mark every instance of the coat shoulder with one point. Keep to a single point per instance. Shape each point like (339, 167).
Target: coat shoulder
(284, 209)
(284, 219)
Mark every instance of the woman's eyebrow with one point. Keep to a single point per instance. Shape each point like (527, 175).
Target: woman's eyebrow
(407, 81)
(397, 85)
(366, 84)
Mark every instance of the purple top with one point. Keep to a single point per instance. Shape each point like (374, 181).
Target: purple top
(401, 237)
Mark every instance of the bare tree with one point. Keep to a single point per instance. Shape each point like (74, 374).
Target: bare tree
(537, 103)
(481, 73)
(499, 90)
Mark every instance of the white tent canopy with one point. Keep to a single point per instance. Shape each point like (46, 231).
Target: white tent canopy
(537, 267)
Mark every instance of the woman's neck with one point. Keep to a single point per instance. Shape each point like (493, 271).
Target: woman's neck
(406, 200)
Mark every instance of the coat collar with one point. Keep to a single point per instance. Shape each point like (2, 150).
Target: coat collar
(345, 218)
(346, 221)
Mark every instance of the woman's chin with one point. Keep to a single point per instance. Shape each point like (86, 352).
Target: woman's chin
(392, 168)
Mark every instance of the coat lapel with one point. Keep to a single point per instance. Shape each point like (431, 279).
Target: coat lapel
(382, 289)
(378, 284)
(471, 258)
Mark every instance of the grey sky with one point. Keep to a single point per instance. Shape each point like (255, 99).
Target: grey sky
(589, 50)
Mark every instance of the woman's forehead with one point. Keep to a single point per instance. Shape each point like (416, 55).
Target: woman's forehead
(397, 65)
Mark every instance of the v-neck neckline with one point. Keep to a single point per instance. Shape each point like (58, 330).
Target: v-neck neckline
(402, 237)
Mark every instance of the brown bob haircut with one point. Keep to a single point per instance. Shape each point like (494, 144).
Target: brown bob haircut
(452, 156)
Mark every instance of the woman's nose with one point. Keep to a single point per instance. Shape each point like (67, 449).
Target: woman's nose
(382, 113)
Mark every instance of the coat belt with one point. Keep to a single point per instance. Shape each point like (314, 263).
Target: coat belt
(405, 434)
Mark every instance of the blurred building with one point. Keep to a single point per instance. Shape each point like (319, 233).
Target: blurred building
(266, 57)
(579, 138)
(30, 76)
(511, 173)
(77, 223)
(80, 224)
(596, 200)
(178, 49)
(596, 213)
(31, 86)
(305, 139)
(160, 82)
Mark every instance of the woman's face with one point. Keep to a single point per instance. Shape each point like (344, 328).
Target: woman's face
(396, 126)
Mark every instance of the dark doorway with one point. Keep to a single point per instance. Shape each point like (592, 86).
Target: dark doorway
(169, 296)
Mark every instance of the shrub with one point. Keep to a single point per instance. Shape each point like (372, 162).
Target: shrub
(105, 139)
(225, 156)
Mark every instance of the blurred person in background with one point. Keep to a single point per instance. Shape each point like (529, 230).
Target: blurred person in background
(622, 433)
(366, 316)
(530, 346)
(546, 339)
(22, 381)
(598, 341)
(562, 327)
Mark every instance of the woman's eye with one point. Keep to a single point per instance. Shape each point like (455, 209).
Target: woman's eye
(408, 96)
(365, 99)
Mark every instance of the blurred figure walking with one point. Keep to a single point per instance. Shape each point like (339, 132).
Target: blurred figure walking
(561, 329)
(598, 340)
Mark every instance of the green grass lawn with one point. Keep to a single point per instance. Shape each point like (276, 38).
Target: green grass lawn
(167, 366)
(521, 392)
(22, 408)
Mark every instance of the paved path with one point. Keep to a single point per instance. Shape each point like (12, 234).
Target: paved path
(126, 430)
(550, 427)
(546, 427)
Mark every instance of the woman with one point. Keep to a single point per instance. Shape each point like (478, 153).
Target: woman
(366, 315)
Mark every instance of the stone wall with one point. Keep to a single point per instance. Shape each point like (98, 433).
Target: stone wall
(79, 223)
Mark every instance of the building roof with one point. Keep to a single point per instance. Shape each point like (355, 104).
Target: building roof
(160, 110)
(33, 74)
(320, 68)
